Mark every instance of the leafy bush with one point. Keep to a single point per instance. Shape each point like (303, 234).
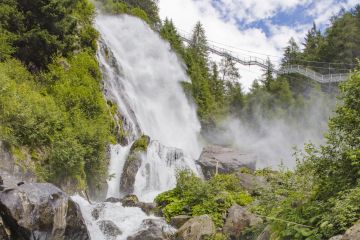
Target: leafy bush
(141, 144)
(61, 114)
(194, 196)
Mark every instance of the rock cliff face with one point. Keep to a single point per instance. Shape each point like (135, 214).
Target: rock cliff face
(225, 160)
(40, 211)
(22, 171)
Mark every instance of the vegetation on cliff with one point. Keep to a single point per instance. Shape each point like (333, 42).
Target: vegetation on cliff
(51, 102)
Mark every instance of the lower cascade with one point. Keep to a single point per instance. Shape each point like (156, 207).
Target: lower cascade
(142, 76)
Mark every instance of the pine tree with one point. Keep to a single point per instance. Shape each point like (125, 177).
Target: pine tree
(291, 53)
(169, 32)
(228, 70)
(198, 43)
(268, 76)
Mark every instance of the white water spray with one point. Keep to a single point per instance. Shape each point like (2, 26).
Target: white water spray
(143, 77)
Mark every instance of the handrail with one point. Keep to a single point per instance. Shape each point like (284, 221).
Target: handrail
(254, 61)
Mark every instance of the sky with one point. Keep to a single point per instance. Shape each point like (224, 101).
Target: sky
(252, 28)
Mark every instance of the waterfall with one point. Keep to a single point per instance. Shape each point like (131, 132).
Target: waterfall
(143, 77)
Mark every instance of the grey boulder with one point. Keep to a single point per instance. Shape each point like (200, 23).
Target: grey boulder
(224, 160)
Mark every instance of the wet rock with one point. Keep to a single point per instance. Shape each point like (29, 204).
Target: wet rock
(352, 233)
(153, 229)
(109, 229)
(148, 208)
(226, 160)
(251, 183)
(4, 231)
(131, 167)
(238, 219)
(96, 212)
(1, 184)
(130, 201)
(41, 211)
(113, 200)
(178, 221)
(75, 223)
(133, 163)
(196, 228)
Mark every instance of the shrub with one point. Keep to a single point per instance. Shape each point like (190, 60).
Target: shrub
(194, 196)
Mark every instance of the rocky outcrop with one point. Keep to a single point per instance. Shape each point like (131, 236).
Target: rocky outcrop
(178, 221)
(352, 233)
(225, 160)
(196, 228)
(41, 211)
(237, 220)
(109, 229)
(22, 170)
(153, 229)
(132, 164)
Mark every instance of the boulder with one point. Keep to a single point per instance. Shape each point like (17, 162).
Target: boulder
(225, 160)
(178, 221)
(196, 228)
(148, 208)
(237, 220)
(41, 211)
(130, 201)
(5, 233)
(352, 233)
(337, 237)
(113, 200)
(75, 223)
(97, 211)
(251, 183)
(153, 229)
(109, 229)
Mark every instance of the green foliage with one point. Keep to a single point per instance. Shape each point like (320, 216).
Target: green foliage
(141, 144)
(194, 196)
(146, 10)
(44, 29)
(320, 198)
(65, 118)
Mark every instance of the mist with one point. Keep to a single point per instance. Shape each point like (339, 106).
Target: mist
(274, 141)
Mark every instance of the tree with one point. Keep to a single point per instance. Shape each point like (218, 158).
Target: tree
(342, 39)
(228, 70)
(198, 43)
(291, 53)
(44, 29)
(268, 76)
(169, 33)
(312, 45)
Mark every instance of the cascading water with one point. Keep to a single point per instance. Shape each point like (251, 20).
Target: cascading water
(143, 77)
